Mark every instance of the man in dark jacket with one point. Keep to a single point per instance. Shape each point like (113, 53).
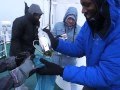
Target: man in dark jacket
(25, 30)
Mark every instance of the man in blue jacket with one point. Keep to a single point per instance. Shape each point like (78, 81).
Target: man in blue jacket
(99, 41)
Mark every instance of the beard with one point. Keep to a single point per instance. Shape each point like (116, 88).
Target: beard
(36, 22)
(96, 23)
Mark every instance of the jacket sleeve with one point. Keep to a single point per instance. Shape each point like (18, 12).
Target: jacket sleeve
(74, 49)
(17, 31)
(103, 74)
(78, 28)
(36, 33)
(55, 29)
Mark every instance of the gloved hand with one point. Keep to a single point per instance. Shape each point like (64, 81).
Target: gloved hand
(21, 57)
(21, 73)
(54, 41)
(13, 62)
(49, 68)
(58, 36)
(7, 64)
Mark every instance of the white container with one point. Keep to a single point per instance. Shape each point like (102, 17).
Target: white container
(44, 43)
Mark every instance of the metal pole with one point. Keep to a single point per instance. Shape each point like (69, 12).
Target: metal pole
(50, 14)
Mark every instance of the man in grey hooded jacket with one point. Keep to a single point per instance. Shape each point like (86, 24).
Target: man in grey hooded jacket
(25, 30)
(66, 30)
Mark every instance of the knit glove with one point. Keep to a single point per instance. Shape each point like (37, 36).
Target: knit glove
(15, 61)
(49, 68)
(7, 63)
(21, 73)
(12, 62)
(21, 57)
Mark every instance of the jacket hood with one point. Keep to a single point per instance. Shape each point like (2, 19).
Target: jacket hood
(26, 8)
(114, 8)
(72, 11)
(98, 3)
(110, 12)
(34, 8)
(113, 4)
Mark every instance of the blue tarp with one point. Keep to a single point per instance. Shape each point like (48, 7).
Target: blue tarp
(44, 82)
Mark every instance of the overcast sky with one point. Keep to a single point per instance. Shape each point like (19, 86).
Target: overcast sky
(9, 9)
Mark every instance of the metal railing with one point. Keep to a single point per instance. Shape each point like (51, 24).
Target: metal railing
(3, 50)
(4, 36)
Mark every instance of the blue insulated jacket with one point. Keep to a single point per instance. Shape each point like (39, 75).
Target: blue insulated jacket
(102, 55)
(61, 28)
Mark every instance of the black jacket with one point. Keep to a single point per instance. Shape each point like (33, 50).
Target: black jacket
(24, 32)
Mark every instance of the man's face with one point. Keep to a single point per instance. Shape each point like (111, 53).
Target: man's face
(36, 16)
(70, 22)
(89, 9)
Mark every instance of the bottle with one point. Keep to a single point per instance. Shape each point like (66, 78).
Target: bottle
(45, 43)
